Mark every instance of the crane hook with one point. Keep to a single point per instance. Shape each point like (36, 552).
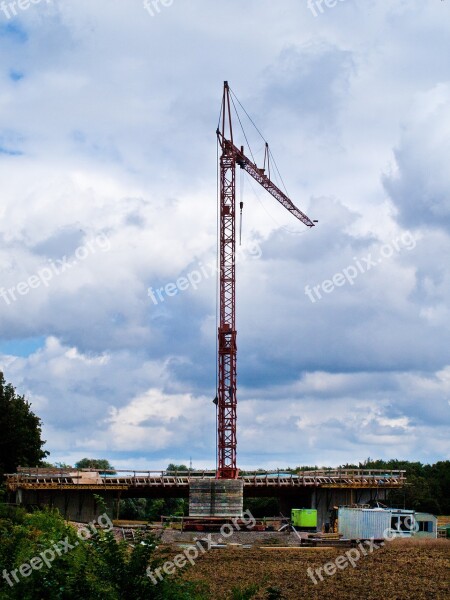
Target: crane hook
(241, 206)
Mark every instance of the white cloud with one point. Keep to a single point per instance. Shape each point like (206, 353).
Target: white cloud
(419, 185)
(108, 129)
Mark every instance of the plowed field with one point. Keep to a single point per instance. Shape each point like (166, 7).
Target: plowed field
(402, 569)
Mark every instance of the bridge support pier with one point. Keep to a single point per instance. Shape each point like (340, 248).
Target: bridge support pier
(216, 498)
(80, 505)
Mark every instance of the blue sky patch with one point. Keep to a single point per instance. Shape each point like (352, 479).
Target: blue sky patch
(22, 347)
(14, 31)
(10, 152)
(16, 75)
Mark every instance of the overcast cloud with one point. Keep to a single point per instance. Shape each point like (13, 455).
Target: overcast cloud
(108, 187)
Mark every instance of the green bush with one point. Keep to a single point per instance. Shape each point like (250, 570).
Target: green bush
(97, 568)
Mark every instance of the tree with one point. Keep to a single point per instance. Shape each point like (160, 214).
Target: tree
(20, 432)
(92, 568)
(94, 463)
(151, 509)
(427, 488)
(173, 467)
(262, 507)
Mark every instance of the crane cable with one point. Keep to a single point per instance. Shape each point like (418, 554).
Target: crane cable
(259, 132)
(248, 116)
(277, 223)
(270, 153)
(243, 131)
(277, 170)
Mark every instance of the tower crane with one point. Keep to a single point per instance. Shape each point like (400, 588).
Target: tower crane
(226, 399)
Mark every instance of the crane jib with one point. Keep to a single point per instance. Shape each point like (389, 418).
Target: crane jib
(262, 179)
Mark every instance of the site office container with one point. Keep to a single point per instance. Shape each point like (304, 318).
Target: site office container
(403, 522)
(426, 525)
(304, 518)
(377, 523)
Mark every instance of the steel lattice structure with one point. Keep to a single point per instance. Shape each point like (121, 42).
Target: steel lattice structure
(227, 348)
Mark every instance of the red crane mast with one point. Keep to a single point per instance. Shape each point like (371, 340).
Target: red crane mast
(226, 388)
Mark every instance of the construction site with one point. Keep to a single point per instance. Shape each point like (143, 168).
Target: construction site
(217, 496)
(224, 366)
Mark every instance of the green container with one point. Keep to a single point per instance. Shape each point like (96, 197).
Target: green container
(304, 517)
(448, 532)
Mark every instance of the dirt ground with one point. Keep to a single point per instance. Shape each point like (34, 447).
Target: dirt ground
(275, 538)
(402, 569)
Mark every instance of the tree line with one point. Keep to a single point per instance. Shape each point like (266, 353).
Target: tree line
(21, 444)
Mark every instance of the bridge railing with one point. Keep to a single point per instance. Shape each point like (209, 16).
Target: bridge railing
(38, 476)
(330, 476)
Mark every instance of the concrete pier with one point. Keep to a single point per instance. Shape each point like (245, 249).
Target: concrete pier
(216, 498)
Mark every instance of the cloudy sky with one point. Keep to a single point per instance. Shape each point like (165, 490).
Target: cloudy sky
(108, 112)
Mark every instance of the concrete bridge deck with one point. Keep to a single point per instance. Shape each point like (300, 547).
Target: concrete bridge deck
(74, 492)
(138, 481)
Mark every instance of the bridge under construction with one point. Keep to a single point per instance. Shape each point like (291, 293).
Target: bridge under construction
(73, 491)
